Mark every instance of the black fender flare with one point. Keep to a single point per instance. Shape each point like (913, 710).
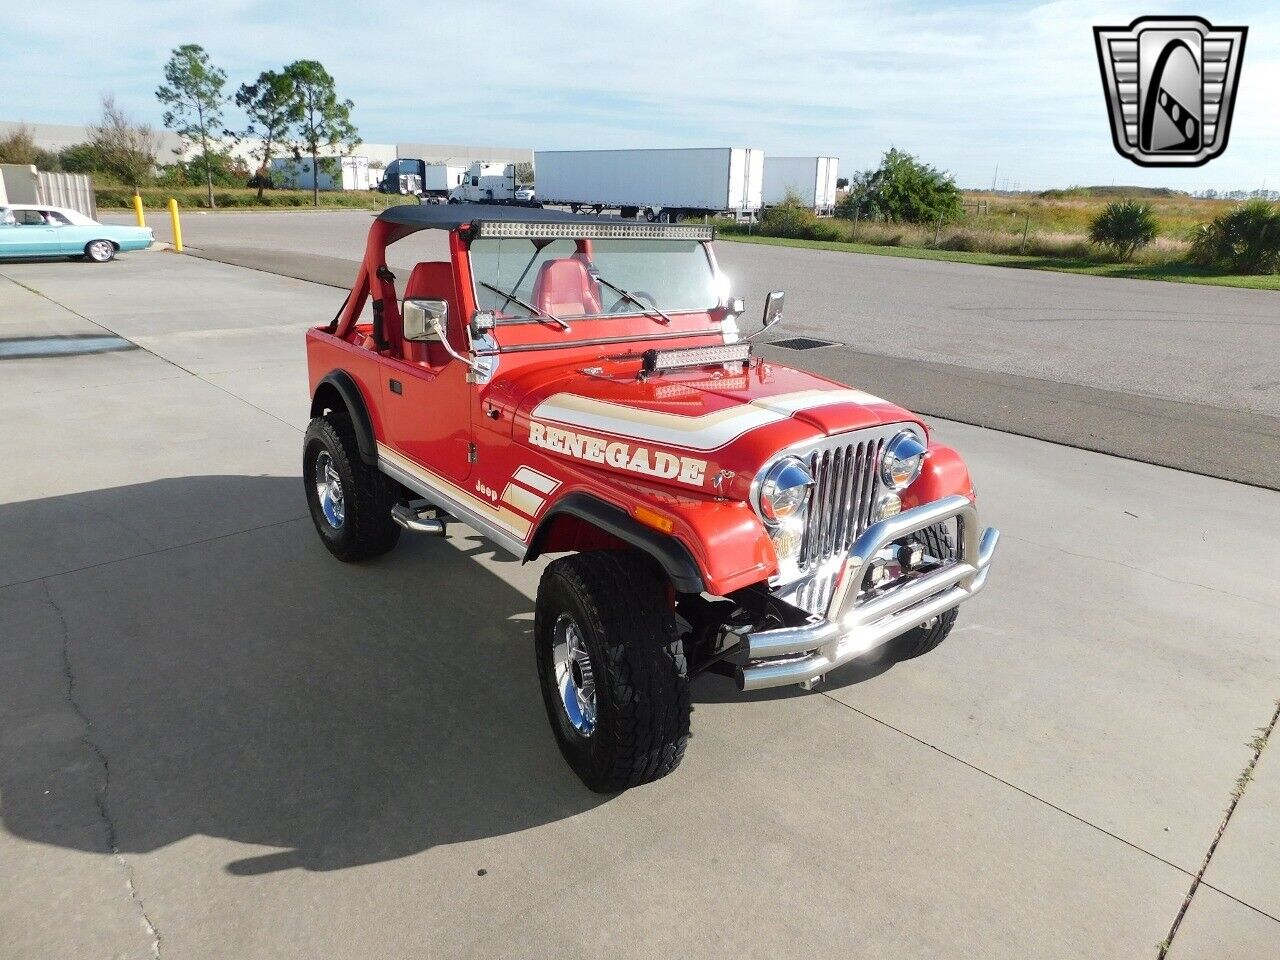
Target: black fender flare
(348, 390)
(672, 555)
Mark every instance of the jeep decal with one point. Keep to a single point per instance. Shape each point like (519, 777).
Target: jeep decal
(615, 453)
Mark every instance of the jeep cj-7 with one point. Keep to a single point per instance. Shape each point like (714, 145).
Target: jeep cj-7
(579, 386)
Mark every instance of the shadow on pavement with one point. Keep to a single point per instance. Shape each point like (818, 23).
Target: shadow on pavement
(253, 688)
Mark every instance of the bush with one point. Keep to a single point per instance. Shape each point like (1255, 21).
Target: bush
(1244, 240)
(1123, 227)
(903, 190)
(228, 171)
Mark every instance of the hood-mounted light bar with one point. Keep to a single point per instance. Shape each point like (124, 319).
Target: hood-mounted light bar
(660, 361)
(505, 230)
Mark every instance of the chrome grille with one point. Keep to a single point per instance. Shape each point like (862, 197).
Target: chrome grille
(846, 484)
(842, 503)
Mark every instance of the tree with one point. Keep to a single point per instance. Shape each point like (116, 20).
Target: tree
(842, 183)
(324, 121)
(903, 189)
(19, 146)
(1124, 226)
(119, 147)
(1244, 240)
(194, 98)
(524, 174)
(272, 106)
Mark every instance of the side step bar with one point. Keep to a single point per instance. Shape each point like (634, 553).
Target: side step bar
(412, 516)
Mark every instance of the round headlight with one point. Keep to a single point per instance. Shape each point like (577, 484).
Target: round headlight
(902, 459)
(784, 490)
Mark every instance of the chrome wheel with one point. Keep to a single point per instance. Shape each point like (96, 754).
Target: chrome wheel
(573, 676)
(329, 490)
(100, 251)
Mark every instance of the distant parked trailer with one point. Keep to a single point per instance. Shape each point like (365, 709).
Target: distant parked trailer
(296, 173)
(812, 179)
(661, 184)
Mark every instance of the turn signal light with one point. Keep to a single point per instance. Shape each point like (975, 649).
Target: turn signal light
(652, 518)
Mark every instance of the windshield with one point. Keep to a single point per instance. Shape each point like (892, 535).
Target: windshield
(579, 278)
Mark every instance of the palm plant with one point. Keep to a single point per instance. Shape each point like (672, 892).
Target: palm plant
(1123, 227)
(1243, 240)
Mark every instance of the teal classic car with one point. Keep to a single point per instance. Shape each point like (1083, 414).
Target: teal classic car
(32, 230)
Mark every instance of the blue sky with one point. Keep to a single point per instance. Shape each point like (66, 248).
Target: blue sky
(965, 86)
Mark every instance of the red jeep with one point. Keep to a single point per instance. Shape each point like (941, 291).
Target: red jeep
(579, 386)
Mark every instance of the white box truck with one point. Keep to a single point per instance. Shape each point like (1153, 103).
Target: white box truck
(659, 184)
(486, 183)
(812, 179)
(432, 181)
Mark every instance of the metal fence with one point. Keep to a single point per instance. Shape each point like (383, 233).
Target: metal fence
(74, 190)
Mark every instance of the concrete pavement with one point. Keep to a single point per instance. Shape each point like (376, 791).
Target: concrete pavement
(296, 758)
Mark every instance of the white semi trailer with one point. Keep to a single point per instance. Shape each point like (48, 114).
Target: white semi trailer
(812, 179)
(658, 184)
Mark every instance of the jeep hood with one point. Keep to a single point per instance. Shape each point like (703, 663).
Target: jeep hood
(692, 429)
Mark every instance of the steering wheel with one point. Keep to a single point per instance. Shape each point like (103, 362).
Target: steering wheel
(639, 295)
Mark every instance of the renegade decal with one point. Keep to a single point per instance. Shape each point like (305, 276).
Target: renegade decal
(624, 456)
(706, 432)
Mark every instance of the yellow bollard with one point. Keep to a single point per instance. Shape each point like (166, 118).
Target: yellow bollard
(137, 209)
(177, 225)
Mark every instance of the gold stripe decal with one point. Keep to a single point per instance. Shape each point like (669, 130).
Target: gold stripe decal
(535, 481)
(498, 516)
(708, 431)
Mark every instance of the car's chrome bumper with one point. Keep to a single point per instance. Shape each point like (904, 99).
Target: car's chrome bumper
(853, 625)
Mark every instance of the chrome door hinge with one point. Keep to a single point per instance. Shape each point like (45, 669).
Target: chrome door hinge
(471, 453)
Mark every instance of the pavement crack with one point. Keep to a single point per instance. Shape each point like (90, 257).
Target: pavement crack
(1138, 569)
(1258, 744)
(1012, 786)
(152, 553)
(100, 796)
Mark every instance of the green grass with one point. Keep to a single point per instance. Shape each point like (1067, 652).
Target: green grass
(1176, 272)
(238, 198)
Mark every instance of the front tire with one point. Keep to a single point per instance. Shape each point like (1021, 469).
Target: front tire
(100, 251)
(612, 668)
(349, 500)
(918, 641)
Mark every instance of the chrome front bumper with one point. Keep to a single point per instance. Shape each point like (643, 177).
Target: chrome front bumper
(852, 627)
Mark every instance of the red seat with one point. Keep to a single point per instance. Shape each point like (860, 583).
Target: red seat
(430, 280)
(563, 288)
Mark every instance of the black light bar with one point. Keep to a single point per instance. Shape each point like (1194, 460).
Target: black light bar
(657, 361)
(506, 230)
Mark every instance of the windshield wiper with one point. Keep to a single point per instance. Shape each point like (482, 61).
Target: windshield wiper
(646, 308)
(528, 306)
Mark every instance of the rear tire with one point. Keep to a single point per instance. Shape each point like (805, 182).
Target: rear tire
(920, 640)
(612, 668)
(350, 501)
(100, 251)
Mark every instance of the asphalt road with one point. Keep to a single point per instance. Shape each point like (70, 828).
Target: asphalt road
(217, 741)
(1175, 374)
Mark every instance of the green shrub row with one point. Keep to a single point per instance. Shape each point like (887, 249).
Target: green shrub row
(189, 197)
(1245, 240)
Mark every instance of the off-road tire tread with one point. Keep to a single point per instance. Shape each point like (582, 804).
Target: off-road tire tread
(920, 640)
(368, 503)
(624, 597)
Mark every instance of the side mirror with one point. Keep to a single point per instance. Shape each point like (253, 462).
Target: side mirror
(772, 309)
(772, 313)
(424, 320)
